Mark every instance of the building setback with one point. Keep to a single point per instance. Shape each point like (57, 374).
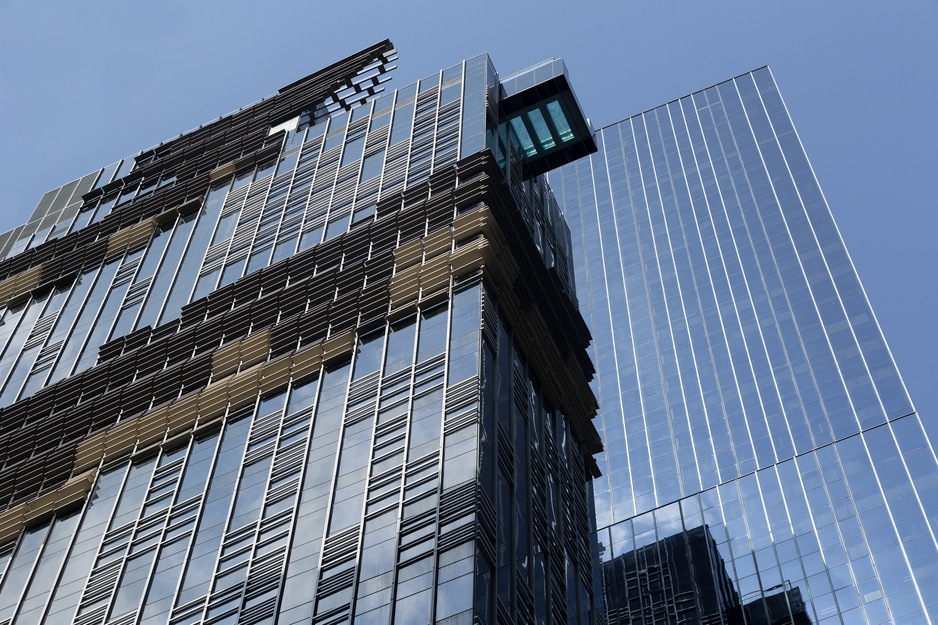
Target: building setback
(744, 383)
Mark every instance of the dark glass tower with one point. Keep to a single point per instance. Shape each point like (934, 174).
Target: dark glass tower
(747, 393)
(315, 361)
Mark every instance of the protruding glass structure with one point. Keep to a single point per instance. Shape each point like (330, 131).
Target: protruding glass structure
(748, 399)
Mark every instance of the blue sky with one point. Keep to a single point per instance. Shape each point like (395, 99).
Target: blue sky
(84, 84)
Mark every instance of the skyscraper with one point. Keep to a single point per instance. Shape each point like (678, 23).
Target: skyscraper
(320, 360)
(746, 389)
(316, 361)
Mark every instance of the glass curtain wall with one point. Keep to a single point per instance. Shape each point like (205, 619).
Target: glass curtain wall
(748, 396)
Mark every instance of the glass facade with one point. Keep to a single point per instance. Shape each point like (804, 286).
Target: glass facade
(762, 454)
(296, 379)
(322, 360)
(346, 493)
(325, 179)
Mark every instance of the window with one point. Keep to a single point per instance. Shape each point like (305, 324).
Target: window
(242, 179)
(147, 187)
(364, 213)
(353, 151)
(372, 165)
(169, 177)
(287, 163)
(127, 194)
(337, 226)
(403, 120)
(264, 169)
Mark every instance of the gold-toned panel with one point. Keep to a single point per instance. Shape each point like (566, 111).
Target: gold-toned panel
(481, 245)
(232, 392)
(222, 171)
(244, 353)
(129, 237)
(15, 519)
(19, 284)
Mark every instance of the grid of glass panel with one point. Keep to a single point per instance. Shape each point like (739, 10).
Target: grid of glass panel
(52, 217)
(327, 178)
(762, 453)
(348, 494)
(745, 385)
(427, 479)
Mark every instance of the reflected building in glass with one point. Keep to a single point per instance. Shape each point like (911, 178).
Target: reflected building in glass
(317, 361)
(753, 419)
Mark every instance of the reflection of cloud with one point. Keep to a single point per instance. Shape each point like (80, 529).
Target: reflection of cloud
(682, 578)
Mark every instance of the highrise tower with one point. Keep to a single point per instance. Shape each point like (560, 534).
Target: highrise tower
(316, 361)
(745, 386)
(320, 361)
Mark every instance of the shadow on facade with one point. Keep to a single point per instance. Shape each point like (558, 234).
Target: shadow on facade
(683, 579)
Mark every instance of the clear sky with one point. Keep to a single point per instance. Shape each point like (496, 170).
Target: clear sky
(83, 84)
